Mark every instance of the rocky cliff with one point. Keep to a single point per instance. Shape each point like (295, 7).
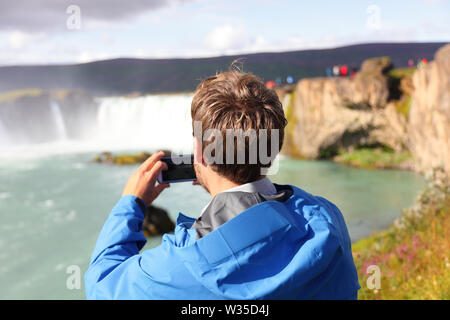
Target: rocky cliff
(394, 109)
(329, 115)
(429, 116)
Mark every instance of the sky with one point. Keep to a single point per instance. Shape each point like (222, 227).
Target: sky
(79, 31)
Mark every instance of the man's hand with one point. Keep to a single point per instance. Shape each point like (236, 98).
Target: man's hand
(142, 183)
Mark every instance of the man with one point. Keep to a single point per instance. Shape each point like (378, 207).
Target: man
(254, 240)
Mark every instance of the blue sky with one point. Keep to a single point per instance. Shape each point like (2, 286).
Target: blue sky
(37, 33)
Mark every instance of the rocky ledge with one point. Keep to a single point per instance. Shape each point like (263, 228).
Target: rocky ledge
(406, 111)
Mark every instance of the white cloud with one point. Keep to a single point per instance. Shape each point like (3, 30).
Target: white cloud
(84, 56)
(50, 14)
(139, 53)
(19, 39)
(88, 56)
(226, 38)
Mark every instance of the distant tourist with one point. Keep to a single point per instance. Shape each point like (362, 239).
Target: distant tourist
(422, 62)
(270, 84)
(336, 70)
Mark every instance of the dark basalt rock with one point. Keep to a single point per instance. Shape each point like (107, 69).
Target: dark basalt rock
(157, 222)
(124, 159)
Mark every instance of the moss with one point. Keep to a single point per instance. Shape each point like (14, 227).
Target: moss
(290, 148)
(122, 159)
(374, 158)
(327, 153)
(403, 106)
(290, 113)
(402, 72)
(397, 92)
(357, 106)
(13, 95)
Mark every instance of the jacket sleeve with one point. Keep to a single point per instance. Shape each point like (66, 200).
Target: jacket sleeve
(120, 239)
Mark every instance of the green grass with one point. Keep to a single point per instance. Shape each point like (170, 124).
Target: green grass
(403, 100)
(403, 106)
(373, 158)
(290, 147)
(413, 253)
(402, 72)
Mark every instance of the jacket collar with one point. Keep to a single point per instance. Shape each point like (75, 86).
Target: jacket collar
(227, 205)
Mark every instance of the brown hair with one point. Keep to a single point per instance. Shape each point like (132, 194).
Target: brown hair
(237, 100)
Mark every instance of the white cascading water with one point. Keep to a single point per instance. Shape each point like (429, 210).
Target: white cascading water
(4, 139)
(58, 121)
(143, 123)
(154, 122)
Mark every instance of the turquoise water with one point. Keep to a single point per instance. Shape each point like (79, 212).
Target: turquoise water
(52, 209)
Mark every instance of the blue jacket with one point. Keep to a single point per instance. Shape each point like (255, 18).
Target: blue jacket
(297, 249)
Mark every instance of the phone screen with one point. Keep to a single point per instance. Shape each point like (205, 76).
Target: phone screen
(179, 169)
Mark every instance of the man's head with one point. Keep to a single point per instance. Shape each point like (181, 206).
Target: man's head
(234, 103)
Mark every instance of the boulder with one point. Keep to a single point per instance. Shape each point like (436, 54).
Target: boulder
(124, 159)
(157, 222)
(370, 86)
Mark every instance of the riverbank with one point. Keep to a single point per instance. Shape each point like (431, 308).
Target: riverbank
(413, 253)
(376, 158)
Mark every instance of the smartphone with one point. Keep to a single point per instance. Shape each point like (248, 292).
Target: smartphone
(180, 168)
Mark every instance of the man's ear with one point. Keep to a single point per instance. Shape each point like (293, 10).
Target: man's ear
(198, 154)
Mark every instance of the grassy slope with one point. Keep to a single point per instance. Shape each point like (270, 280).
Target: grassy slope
(412, 254)
(373, 158)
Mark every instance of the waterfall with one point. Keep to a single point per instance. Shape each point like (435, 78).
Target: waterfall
(4, 139)
(110, 123)
(58, 121)
(154, 122)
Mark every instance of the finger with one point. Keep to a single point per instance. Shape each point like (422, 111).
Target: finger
(150, 162)
(160, 187)
(154, 172)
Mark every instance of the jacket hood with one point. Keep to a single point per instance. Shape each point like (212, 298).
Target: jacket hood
(273, 250)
